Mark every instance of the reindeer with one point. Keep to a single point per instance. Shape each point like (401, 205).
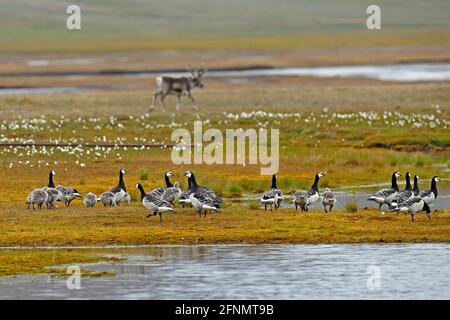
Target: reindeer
(179, 86)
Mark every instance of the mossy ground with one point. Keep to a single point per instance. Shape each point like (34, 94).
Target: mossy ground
(17, 262)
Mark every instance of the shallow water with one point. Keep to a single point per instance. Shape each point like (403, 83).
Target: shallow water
(39, 90)
(406, 271)
(394, 72)
(391, 72)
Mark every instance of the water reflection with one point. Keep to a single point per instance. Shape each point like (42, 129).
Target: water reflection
(413, 271)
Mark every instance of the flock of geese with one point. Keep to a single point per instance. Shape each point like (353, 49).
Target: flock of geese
(203, 199)
(157, 201)
(410, 200)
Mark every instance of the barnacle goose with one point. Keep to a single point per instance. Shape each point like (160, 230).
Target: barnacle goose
(430, 195)
(154, 209)
(416, 189)
(38, 197)
(184, 197)
(160, 191)
(328, 199)
(413, 205)
(108, 198)
(272, 202)
(385, 196)
(68, 194)
(204, 205)
(404, 195)
(304, 199)
(152, 197)
(203, 194)
(54, 194)
(268, 197)
(120, 191)
(172, 194)
(90, 200)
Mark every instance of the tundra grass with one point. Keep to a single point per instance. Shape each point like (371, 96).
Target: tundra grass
(344, 131)
(358, 135)
(236, 223)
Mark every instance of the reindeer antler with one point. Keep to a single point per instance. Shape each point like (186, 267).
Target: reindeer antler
(192, 71)
(203, 70)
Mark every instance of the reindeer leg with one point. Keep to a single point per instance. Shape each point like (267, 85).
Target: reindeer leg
(156, 95)
(178, 101)
(163, 96)
(193, 101)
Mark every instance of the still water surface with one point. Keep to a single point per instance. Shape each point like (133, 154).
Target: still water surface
(338, 271)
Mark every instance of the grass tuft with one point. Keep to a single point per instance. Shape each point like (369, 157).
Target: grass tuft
(351, 206)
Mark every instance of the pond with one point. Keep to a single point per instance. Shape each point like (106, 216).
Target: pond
(334, 271)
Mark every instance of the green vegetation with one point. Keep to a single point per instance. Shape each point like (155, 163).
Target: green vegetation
(351, 206)
(16, 262)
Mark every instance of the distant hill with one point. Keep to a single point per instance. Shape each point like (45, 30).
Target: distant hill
(24, 20)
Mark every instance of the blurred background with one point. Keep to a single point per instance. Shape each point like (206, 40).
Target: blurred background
(138, 35)
(359, 102)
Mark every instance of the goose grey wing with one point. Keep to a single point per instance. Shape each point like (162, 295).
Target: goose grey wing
(155, 198)
(425, 193)
(170, 194)
(411, 201)
(385, 193)
(403, 196)
(269, 194)
(185, 194)
(115, 190)
(203, 192)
